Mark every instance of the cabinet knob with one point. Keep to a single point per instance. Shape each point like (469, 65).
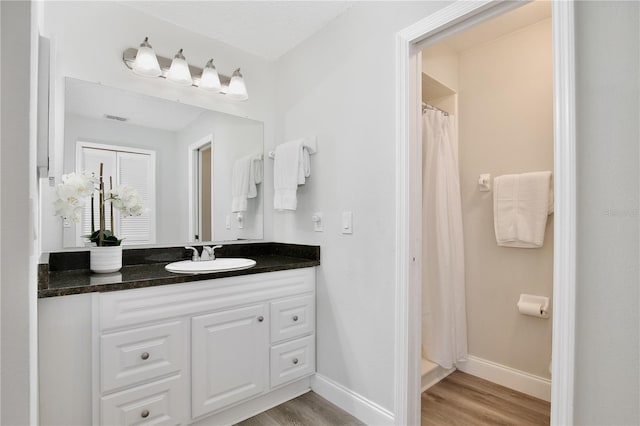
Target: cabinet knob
(295, 318)
(260, 318)
(144, 355)
(295, 360)
(144, 414)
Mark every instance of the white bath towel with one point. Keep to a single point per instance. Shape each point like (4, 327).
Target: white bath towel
(240, 176)
(245, 175)
(290, 169)
(521, 204)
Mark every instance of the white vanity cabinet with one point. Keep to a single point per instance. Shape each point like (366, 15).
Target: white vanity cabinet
(182, 353)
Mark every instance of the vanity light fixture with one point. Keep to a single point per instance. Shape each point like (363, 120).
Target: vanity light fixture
(237, 89)
(143, 61)
(210, 79)
(179, 71)
(146, 63)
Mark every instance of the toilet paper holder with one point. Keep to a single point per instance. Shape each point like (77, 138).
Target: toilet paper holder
(536, 306)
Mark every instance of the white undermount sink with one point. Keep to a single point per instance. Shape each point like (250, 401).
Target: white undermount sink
(207, 266)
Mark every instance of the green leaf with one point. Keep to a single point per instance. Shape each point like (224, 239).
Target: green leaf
(108, 238)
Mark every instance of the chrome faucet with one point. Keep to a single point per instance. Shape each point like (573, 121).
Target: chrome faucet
(208, 253)
(196, 256)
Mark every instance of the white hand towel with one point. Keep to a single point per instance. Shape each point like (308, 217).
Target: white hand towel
(521, 204)
(290, 169)
(240, 176)
(255, 175)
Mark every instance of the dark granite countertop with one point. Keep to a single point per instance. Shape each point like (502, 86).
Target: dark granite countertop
(68, 273)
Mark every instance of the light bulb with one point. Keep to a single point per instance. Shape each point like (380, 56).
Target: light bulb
(146, 63)
(179, 71)
(237, 90)
(210, 79)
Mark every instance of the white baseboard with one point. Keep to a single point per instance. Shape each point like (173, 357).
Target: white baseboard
(511, 378)
(358, 406)
(433, 377)
(252, 407)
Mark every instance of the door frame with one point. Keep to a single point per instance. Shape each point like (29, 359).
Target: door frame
(191, 171)
(456, 17)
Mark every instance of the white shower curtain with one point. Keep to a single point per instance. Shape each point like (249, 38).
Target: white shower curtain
(444, 321)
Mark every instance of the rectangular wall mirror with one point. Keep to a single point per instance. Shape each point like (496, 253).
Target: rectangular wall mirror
(198, 171)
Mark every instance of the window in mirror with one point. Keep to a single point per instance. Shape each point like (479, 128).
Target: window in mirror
(126, 166)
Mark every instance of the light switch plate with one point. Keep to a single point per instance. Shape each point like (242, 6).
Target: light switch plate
(227, 222)
(347, 223)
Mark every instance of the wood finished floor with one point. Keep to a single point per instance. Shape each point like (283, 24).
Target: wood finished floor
(465, 400)
(306, 410)
(458, 400)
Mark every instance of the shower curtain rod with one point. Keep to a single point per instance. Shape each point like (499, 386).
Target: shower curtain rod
(427, 106)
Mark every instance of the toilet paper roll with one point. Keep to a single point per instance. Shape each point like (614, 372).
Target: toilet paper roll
(529, 308)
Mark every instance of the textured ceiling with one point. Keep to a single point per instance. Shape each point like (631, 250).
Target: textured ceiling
(264, 28)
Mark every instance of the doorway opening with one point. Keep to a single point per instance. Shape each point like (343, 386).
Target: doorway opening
(204, 193)
(487, 217)
(410, 244)
(200, 190)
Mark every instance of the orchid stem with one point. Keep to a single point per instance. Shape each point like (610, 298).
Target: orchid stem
(101, 203)
(111, 203)
(93, 219)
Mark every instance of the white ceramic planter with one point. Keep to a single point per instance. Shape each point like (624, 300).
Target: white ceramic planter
(105, 260)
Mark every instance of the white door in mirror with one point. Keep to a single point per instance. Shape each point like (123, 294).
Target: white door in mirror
(208, 266)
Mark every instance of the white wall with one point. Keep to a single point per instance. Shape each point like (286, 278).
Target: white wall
(441, 62)
(18, 372)
(233, 138)
(88, 47)
(607, 376)
(339, 85)
(505, 126)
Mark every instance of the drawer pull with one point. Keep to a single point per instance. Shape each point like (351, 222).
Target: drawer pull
(144, 356)
(295, 318)
(260, 318)
(295, 360)
(144, 414)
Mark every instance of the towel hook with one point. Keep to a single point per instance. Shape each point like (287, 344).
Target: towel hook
(484, 182)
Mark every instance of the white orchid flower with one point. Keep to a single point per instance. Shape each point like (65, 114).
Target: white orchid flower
(72, 193)
(126, 199)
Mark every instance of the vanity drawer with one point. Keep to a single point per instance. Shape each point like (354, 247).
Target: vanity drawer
(144, 353)
(292, 317)
(293, 360)
(159, 403)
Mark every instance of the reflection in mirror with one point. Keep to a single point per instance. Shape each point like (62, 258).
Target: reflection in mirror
(198, 171)
(203, 208)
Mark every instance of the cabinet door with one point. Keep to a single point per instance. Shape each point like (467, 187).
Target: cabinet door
(230, 352)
